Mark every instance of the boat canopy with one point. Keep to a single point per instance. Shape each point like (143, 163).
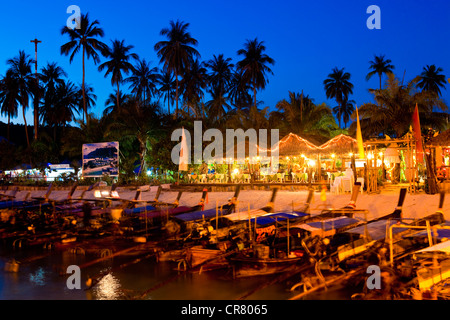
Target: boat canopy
(198, 215)
(443, 247)
(440, 233)
(376, 230)
(327, 224)
(139, 209)
(280, 216)
(147, 212)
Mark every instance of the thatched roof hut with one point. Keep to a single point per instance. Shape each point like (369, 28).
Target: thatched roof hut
(441, 140)
(341, 144)
(293, 145)
(241, 150)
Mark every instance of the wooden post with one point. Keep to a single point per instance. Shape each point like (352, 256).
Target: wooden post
(217, 216)
(288, 237)
(36, 99)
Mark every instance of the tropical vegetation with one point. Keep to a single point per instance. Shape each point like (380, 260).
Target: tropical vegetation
(149, 100)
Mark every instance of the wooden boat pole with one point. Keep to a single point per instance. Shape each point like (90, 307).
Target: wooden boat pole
(391, 246)
(325, 284)
(249, 223)
(430, 238)
(288, 237)
(90, 263)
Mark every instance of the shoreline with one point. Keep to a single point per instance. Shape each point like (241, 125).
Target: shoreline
(415, 206)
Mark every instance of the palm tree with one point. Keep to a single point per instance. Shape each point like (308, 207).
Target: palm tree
(90, 98)
(167, 87)
(112, 104)
(119, 63)
(61, 107)
(347, 109)
(218, 106)
(51, 76)
(20, 68)
(9, 97)
(254, 65)
(380, 66)
(72, 142)
(431, 80)
(84, 39)
(239, 91)
(193, 83)
(300, 115)
(397, 106)
(339, 87)
(144, 80)
(137, 124)
(177, 53)
(221, 73)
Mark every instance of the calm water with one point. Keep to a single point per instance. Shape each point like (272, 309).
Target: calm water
(44, 278)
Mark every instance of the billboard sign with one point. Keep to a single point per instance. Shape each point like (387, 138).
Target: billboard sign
(100, 159)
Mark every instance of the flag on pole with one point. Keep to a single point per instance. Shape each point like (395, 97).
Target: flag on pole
(417, 135)
(183, 164)
(359, 139)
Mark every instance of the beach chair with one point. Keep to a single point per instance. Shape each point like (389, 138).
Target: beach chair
(203, 178)
(273, 178)
(280, 177)
(294, 177)
(264, 177)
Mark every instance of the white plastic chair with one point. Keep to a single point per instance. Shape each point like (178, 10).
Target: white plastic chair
(347, 185)
(336, 187)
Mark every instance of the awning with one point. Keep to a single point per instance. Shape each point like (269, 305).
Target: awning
(281, 216)
(443, 247)
(198, 215)
(376, 230)
(328, 224)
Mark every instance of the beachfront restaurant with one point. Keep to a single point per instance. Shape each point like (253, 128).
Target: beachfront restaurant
(439, 147)
(299, 162)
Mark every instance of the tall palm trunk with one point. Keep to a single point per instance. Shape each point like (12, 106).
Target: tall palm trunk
(176, 95)
(83, 89)
(26, 125)
(36, 114)
(168, 101)
(254, 91)
(117, 95)
(9, 122)
(340, 115)
(381, 104)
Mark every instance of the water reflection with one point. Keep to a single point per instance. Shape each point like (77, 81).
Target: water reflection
(108, 288)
